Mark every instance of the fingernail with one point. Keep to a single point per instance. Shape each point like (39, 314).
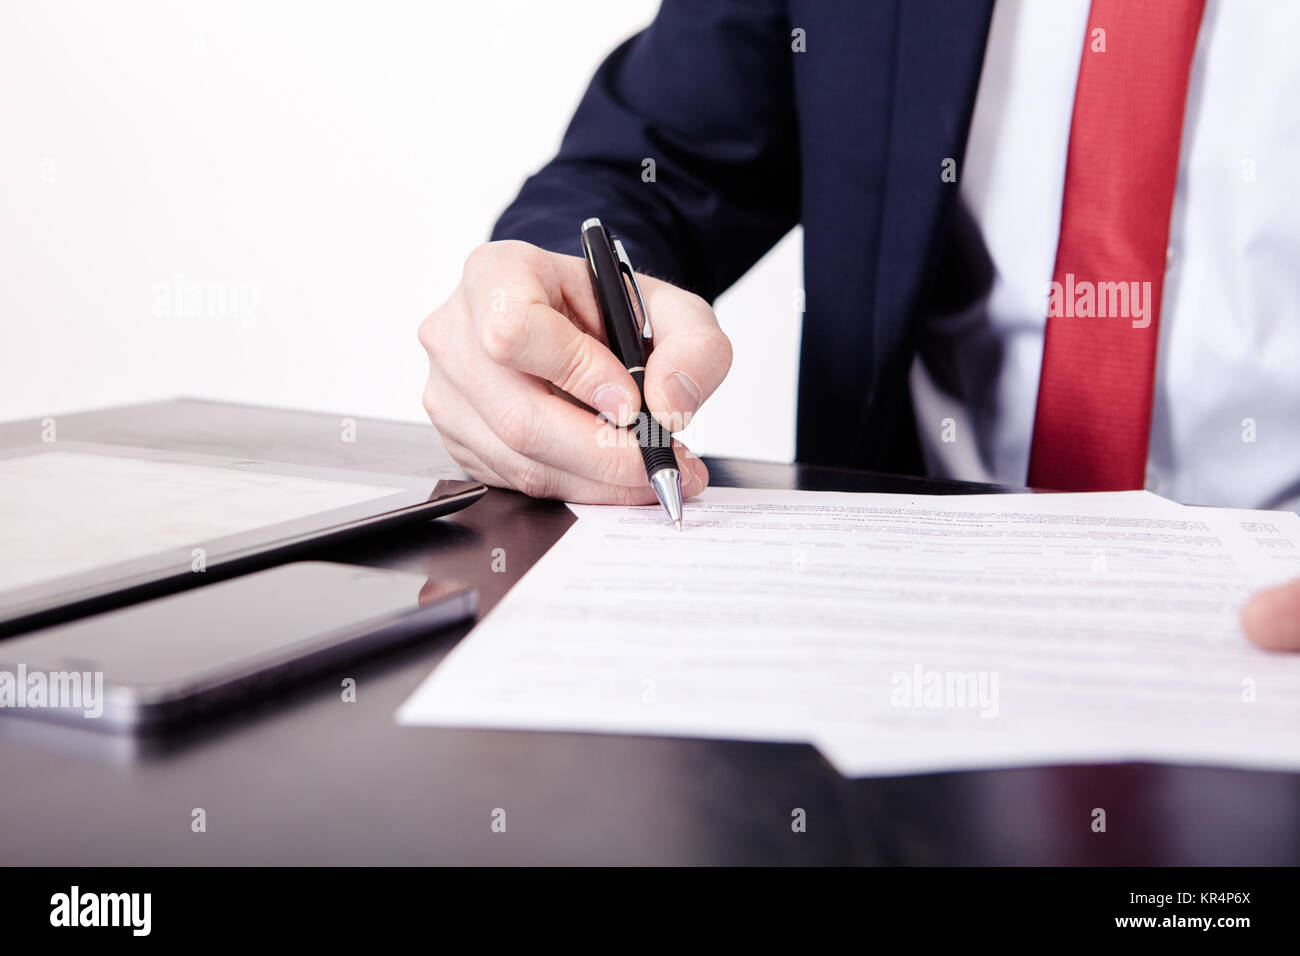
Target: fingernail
(682, 397)
(614, 403)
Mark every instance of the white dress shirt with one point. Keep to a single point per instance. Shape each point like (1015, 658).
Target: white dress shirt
(1226, 416)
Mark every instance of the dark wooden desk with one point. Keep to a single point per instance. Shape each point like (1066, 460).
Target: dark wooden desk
(308, 779)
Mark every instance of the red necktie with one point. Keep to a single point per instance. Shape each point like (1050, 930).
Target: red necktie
(1093, 419)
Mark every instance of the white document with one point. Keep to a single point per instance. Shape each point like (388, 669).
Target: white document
(1275, 533)
(899, 634)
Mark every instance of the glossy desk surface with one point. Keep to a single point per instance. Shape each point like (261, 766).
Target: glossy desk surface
(309, 779)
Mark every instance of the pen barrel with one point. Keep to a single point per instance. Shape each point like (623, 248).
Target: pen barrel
(613, 300)
(624, 336)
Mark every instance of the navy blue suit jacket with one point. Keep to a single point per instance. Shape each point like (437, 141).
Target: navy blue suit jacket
(750, 137)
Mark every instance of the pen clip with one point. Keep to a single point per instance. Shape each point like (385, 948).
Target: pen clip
(625, 266)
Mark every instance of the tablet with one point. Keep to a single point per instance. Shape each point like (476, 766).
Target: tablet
(84, 526)
(181, 656)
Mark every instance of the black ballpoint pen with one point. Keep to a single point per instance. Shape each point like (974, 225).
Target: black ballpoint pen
(627, 327)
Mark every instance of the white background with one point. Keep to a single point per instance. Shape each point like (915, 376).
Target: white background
(336, 160)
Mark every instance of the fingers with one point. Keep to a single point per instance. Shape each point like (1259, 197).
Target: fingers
(517, 362)
(539, 341)
(544, 428)
(515, 301)
(474, 466)
(691, 353)
(1271, 618)
(488, 459)
(527, 418)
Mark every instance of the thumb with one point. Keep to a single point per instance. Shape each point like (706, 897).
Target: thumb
(691, 354)
(1271, 619)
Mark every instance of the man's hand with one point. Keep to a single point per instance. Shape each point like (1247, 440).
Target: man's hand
(520, 340)
(1272, 618)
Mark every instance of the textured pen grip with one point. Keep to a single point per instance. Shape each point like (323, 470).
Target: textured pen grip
(656, 441)
(656, 444)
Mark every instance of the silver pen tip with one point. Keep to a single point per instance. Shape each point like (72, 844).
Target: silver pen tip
(667, 483)
(678, 522)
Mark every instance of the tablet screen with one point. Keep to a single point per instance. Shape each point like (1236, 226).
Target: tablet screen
(66, 512)
(83, 523)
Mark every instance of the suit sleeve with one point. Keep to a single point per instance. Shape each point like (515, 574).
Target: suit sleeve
(706, 93)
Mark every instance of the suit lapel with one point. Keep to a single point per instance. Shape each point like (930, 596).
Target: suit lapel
(884, 100)
(939, 51)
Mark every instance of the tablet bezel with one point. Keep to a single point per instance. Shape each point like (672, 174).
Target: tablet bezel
(69, 596)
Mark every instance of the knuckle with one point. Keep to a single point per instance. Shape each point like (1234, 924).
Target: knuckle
(724, 350)
(710, 352)
(533, 480)
(688, 305)
(614, 465)
(488, 255)
(517, 427)
(503, 332)
(431, 332)
(481, 257)
(579, 366)
(698, 304)
(516, 250)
